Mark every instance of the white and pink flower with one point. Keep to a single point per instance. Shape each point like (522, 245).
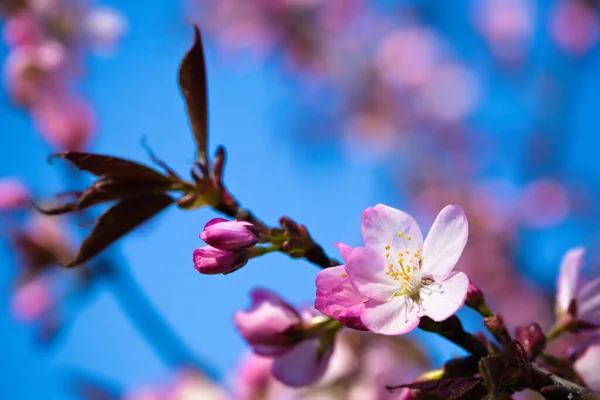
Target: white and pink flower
(403, 278)
(575, 297)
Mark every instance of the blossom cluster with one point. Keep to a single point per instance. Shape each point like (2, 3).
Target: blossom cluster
(47, 41)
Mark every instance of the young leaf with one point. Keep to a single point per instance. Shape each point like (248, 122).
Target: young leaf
(103, 165)
(118, 221)
(192, 81)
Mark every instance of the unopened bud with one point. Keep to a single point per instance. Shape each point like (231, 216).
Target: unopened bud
(229, 235)
(532, 338)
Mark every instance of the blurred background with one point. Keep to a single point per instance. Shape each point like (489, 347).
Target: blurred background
(325, 108)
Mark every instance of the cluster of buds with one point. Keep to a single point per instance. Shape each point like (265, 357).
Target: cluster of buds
(229, 246)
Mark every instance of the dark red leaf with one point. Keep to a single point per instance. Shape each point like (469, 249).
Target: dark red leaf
(103, 165)
(447, 388)
(192, 81)
(491, 369)
(118, 221)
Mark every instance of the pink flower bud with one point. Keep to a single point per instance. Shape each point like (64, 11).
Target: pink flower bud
(229, 235)
(31, 301)
(209, 260)
(268, 325)
(65, 124)
(475, 298)
(13, 194)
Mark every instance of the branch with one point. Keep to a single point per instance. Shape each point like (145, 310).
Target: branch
(149, 323)
(313, 252)
(552, 386)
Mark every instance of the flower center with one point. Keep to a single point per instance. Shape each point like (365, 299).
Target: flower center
(404, 266)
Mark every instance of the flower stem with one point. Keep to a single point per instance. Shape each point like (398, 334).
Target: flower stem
(561, 326)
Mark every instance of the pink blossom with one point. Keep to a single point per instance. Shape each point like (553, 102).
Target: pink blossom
(407, 57)
(31, 301)
(271, 326)
(66, 124)
(404, 277)
(191, 385)
(544, 203)
(22, 29)
(303, 364)
(229, 235)
(13, 194)
(588, 366)
(209, 260)
(275, 329)
(28, 70)
(252, 377)
(574, 26)
(574, 296)
(507, 25)
(336, 297)
(104, 27)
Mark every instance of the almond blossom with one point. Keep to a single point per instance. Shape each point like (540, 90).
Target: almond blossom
(404, 277)
(575, 297)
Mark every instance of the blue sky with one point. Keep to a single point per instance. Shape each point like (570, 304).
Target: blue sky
(135, 95)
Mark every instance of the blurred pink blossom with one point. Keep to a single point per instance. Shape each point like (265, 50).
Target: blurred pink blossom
(452, 93)
(574, 26)
(31, 71)
(408, 57)
(252, 377)
(544, 203)
(22, 29)
(32, 300)
(300, 347)
(588, 366)
(104, 27)
(269, 324)
(507, 25)
(13, 194)
(66, 124)
(571, 288)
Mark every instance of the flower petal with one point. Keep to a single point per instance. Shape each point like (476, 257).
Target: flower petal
(390, 318)
(366, 270)
(587, 367)
(302, 365)
(442, 299)
(445, 242)
(380, 227)
(344, 249)
(568, 278)
(588, 302)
